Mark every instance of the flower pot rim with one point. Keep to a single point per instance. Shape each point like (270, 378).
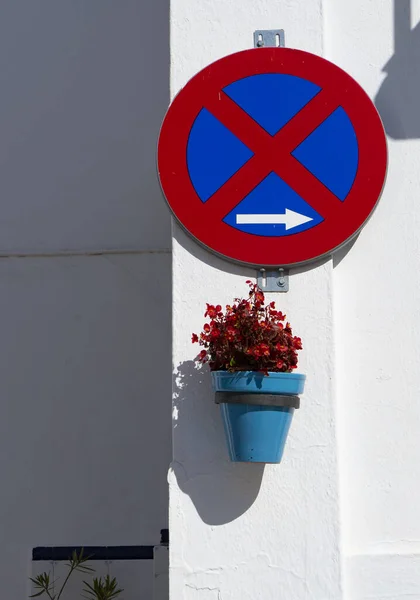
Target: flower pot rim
(255, 382)
(276, 374)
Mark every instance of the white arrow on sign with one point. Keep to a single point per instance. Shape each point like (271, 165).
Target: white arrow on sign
(290, 219)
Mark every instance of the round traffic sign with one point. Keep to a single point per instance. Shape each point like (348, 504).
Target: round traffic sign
(272, 157)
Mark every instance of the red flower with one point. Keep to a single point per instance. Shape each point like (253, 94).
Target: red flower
(230, 333)
(265, 349)
(259, 296)
(211, 311)
(202, 356)
(194, 338)
(247, 336)
(297, 343)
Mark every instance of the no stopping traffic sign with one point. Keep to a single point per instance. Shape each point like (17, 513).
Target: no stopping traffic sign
(272, 157)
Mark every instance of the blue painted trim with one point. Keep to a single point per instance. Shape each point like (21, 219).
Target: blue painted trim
(59, 553)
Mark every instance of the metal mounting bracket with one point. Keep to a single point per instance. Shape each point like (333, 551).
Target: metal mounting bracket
(273, 280)
(269, 38)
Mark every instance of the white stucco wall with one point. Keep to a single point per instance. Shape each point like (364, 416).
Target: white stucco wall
(339, 517)
(377, 293)
(242, 531)
(85, 378)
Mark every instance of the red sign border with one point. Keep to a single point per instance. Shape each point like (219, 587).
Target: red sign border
(303, 247)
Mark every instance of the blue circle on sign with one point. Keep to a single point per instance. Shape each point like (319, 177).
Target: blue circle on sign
(272, 208)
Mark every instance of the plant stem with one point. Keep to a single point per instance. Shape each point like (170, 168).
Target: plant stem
(49, 595)
(64, 582)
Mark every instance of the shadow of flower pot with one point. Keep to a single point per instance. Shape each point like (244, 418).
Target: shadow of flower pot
(220, 490)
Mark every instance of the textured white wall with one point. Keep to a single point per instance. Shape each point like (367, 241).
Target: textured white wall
(242, 531)
(85, 380)
(377, 314)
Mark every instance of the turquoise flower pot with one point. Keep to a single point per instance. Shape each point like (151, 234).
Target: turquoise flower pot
(257, 412)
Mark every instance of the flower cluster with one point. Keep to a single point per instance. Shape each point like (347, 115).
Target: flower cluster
(248, 336)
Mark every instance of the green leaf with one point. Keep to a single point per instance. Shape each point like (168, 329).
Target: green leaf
(85, 569)
(89, 586)
(78, 561)
(41, 579)
(42, 583)
(102, 589)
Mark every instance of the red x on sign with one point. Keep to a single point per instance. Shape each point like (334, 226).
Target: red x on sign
(271, 153)
(208, 216)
